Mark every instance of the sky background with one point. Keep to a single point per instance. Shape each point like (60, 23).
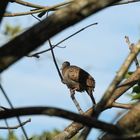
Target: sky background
(100, 50)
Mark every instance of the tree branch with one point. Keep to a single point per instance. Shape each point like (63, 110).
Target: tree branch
(17, 126)
(12, 107)
(126, 2)
(3, 5)
(129, 122)
(41, 9)
(74, 127)
(130, 45)
(56, 45)
(51, 111)
(55, 23)
(21, 2)
(117, 79)
(131, 81)
(120, 105)
(44, 9)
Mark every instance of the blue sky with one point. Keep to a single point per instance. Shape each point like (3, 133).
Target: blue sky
(99, 49)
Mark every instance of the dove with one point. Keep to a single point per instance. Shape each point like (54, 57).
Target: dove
(79, 80)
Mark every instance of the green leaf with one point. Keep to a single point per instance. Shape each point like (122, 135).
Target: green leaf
(136, 97)
(136, 89)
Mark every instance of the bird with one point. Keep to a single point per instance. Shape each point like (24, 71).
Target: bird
(79, 80)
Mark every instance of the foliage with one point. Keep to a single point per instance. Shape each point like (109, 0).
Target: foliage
(12, 30)
(135, 93)
(48, 135)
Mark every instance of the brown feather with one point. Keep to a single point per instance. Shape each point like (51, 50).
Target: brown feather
(76, 78)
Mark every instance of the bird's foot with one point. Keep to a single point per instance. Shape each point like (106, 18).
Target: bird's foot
(73, 90)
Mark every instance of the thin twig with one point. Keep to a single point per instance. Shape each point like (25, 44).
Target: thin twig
(131, 45)
(5, 120)
(36, 17)
(17, 126)
(56, 45)
(43, 9)
(38, 10)
(7, 125)
(12, 107)
(21, 2)
(53, 55)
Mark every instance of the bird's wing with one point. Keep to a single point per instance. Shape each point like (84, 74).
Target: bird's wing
(90, 81)
(79, 75)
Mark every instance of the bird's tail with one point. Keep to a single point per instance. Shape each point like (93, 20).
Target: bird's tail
(90, 93)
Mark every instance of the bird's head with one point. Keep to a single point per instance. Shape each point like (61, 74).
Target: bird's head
(65, 64)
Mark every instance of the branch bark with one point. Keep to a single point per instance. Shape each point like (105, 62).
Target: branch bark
(74, 127)
(41, 32)
(51, 111)
(130, 124)
(3, 5)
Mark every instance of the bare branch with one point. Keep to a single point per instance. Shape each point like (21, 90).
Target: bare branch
(45, 9)
(3, 5)
(118, 78)
(129, 122)
(17, 126)
(131, 81)
(41, 9)
(21, 2)
(54, 59)
(56, 45)
(51, 111)
(74, 127)
(130, 45)
(12, 107)
(126, 2)
(55, 23)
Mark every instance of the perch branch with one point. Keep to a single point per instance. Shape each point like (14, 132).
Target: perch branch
(74, 127)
